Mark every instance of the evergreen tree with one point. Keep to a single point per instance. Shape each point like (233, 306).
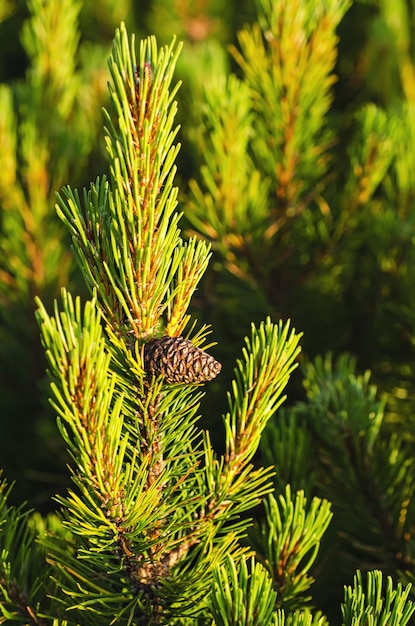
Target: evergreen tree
(48, 126)
(309, 210)
(157, 528)
(154, 511)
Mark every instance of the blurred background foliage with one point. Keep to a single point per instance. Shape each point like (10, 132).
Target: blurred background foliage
(297, 161)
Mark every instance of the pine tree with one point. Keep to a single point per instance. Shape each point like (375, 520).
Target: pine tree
(47, 129)
(309, 209)
(156, 528)
(154, 511)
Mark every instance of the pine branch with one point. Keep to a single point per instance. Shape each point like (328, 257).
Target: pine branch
(362, 459)
(291, 92)
(256, 393)
(241, 595)
(266, 144)
(288, 541)
(153, 523)
(299, 618)
(124, 489)
(152, 503)
(229, 206)
(24, 583)
(45, 140)
(128, 242)
(366, 604)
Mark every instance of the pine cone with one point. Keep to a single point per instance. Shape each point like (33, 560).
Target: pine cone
(179, 361)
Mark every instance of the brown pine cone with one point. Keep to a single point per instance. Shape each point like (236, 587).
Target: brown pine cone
(179, 361)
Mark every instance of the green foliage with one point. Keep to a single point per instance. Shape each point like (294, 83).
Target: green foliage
(299, 618)
(288, 443)
(24, 577)
(232, 205)
(367, 469)
(303, 189)
(124, 492)
(367, 605)
(47, 128)
(317, 224)
(154, 511)
(287, 60)
(265, 140)
(314, 223)
(354, 461)
(244, 597)
(287, 542)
